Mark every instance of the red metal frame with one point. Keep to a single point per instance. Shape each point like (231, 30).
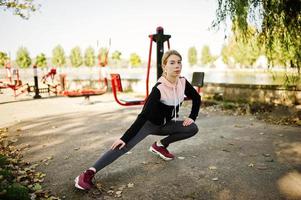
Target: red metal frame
(87, 92)
(14, 83)
(117, 86)
(91, 92)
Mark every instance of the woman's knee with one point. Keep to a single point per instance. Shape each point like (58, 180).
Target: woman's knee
(193, 129)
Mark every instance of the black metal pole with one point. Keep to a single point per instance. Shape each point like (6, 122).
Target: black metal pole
(160, 38)
(36, 83)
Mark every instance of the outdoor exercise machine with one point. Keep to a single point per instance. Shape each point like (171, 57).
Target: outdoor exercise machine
(51, 87)
(102, 82)
(160, 38)
(13, 81)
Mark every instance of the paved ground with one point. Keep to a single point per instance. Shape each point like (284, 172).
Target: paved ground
(232, 157)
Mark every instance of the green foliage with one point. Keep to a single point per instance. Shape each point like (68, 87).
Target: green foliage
(58, 56)
(76, 57)
(20, 8)
(23, 60)
(278, 23)
(90, 57)
(41, 60)
(116, 55)
(3, 160)
(17, 192)
(206, 56)
(135, 60)
(245, 52)
(5, 173)
(228, 105)
(192, 56)
(3, 59)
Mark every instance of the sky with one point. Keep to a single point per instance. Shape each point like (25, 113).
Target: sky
(128, 23)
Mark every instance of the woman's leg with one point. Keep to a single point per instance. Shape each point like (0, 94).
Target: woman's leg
(176, 131)
(111, 155)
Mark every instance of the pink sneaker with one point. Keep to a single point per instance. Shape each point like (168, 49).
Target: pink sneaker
(84, 180)
(161, 151)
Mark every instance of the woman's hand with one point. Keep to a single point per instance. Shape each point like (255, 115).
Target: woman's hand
(117, 143)
(188, 121)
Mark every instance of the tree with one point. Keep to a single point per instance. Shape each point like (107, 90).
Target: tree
(22, 8)
(76, 57)
(116, 56)
(103, 56)
(58, 56)
(244, 52)
(23, 59)
(278, 23)
(3, 59)
(206, 56)
(41, 60)
(90, 57)
(192, 56)
(135, 60)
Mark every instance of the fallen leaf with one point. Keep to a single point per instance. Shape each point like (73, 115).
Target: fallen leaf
(37, 187)
(121, 187)
(110, 192)
(118, 192)
(251, 165)
(130, 185)
(99, 186)
(96, 192)
(50, 157)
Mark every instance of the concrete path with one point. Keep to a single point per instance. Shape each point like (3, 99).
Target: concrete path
(232, 157)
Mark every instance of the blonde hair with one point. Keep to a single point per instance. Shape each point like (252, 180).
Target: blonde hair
(167, 54)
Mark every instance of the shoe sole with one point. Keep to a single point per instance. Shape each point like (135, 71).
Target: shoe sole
(76, 184)
(154, 151)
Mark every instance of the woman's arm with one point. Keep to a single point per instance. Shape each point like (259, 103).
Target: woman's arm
(191, 93)
(151, 102)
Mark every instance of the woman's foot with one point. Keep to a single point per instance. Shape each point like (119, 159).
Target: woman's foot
(84, 180)
(161, 151)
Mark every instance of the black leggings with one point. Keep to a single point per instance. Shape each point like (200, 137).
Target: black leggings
(174, 130)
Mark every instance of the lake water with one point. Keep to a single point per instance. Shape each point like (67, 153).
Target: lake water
(211, 75)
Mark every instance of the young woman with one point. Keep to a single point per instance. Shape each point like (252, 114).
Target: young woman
(159, 116)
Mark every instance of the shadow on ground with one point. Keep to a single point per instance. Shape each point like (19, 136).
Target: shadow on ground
(232, 157)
